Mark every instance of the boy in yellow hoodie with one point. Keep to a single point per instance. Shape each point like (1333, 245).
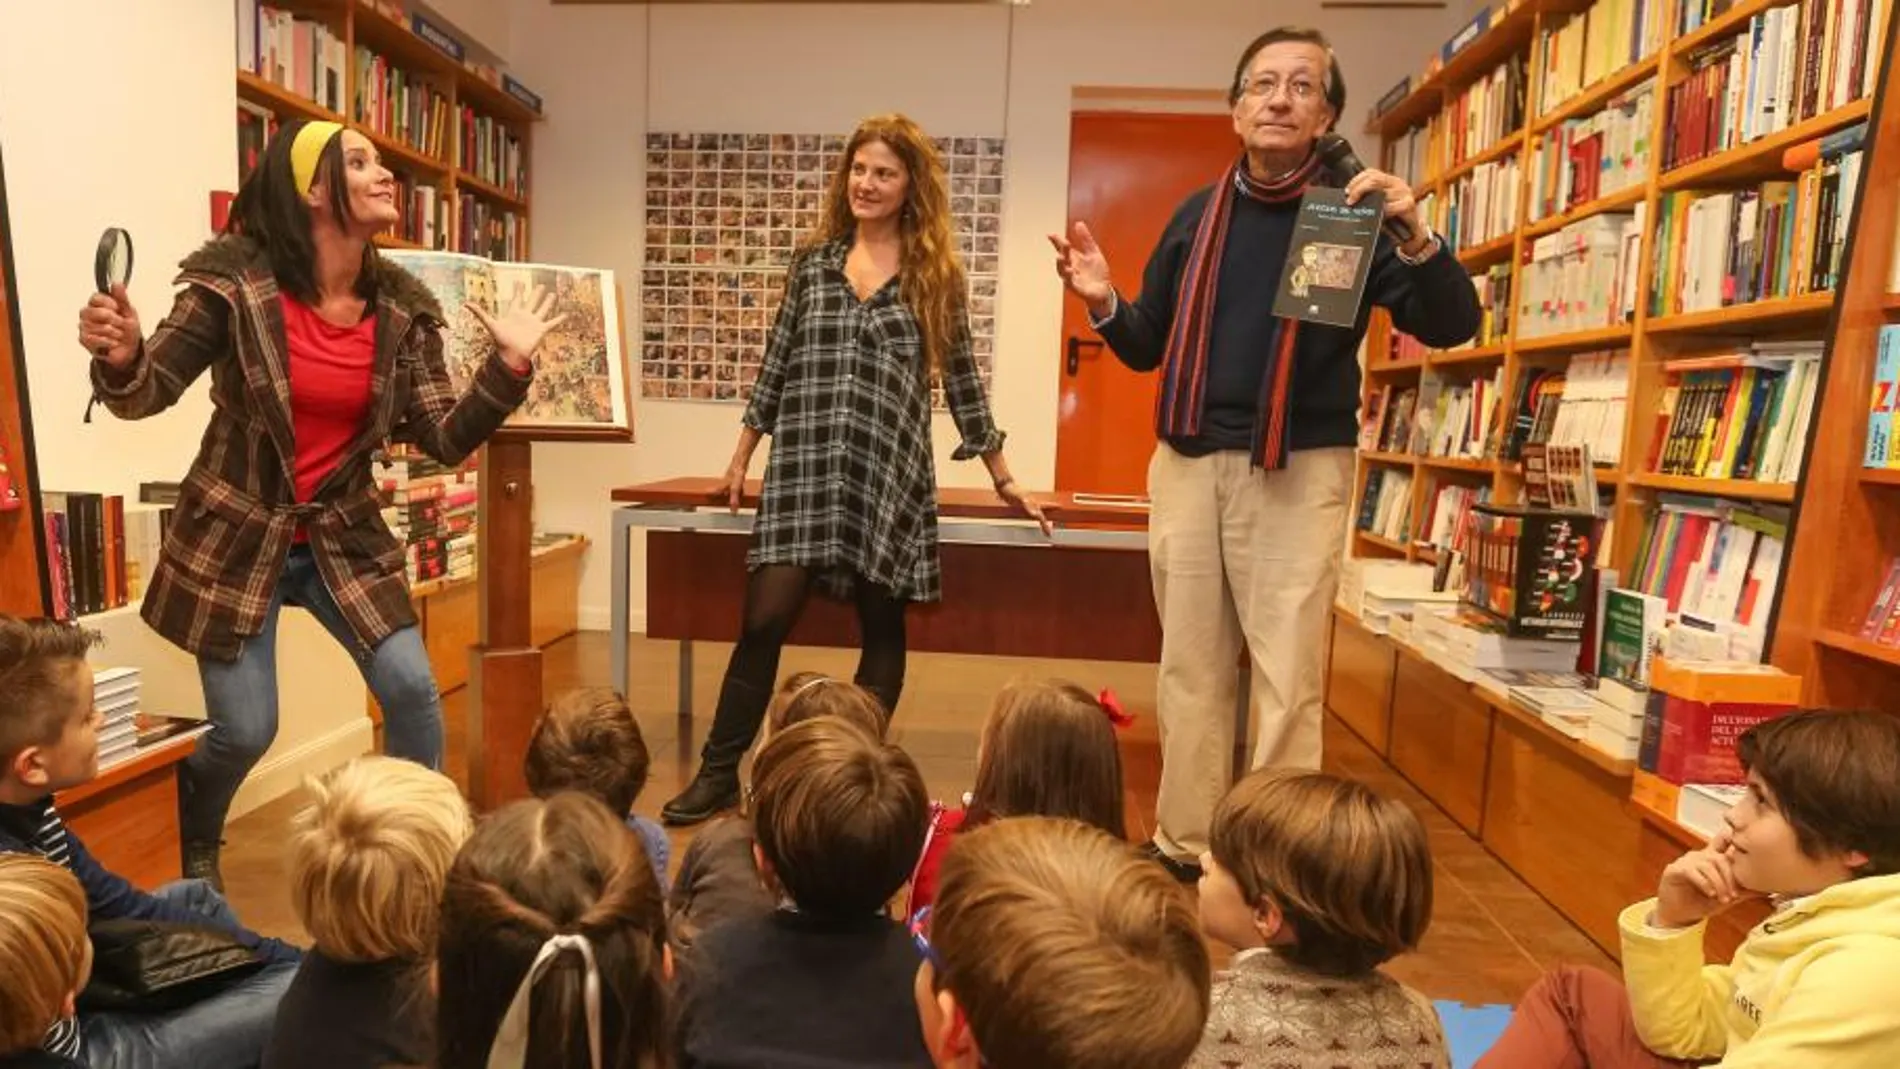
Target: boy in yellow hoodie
(1817, 984)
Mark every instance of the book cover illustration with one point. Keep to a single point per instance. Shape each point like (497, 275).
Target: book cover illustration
(580, 374)
(1324, 278)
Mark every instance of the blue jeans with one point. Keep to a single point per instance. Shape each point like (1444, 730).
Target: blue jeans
(241, 700)
(226, 1031)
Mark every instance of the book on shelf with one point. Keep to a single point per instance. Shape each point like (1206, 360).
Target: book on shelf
(255, 127)
(1716, 564)
(486, 230)
(401, 106)
(1530, 568)
(1448, 523)
(431, 509)
(492, 152)
(1560, 477)
(1587, 405)
(1465, 641)
(1481, 206)
(1577, 277)
(1387, 423)
(425, 213)
(1408, 156)
(1701, 806)
(1880, 451)
(1385, 509)
(302, 56)
(1485, 112)
(1632, 636)
(1882, 623)
(1697, 712)
(100, 550)
(1581, 160)
(1742, 415)
(1454, 418)
(1589, 46)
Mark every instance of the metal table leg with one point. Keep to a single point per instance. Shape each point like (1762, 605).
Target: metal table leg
(621, 625)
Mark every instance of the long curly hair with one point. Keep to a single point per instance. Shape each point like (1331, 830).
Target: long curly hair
(931, 278)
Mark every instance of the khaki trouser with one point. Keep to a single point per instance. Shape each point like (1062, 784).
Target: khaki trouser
(1239, 553)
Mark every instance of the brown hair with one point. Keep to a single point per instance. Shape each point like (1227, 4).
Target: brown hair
(533, 870)
(369, 856)
(589, 741)
(1049, 750)
(1350, 871)
(1064, 947)
(806, 695)
(1835, 775)
(37, 658)
(930, 274)
(841, 816)
(43, 943)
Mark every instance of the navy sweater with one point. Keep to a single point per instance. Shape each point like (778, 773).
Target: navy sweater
(1434, 302)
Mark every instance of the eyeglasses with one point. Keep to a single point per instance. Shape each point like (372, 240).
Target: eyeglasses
(919, 934)
(1299, 89)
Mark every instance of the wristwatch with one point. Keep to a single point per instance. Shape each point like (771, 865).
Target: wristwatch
(1431, 250)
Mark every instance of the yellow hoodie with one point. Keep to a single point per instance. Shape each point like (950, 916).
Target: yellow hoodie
(1815, 985)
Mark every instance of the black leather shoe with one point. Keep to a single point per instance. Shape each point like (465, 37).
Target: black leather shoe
(707, 796)
(201, 863)
(1184, 871)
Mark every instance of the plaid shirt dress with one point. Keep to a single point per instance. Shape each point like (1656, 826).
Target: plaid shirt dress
(851, 485)
(237, 511)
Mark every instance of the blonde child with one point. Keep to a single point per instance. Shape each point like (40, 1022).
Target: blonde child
(552, 951)
(1048, 749)
(1316, 881)
(368, 859)
(717, 878)
(824, 979)
(1055, 946)
(44, 960)
(1818, 833)
(589, 741)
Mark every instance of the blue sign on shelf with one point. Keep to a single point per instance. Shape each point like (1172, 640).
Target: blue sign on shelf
(438, 37)
(521, 92)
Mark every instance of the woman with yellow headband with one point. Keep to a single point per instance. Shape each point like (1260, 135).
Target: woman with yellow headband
(319, 351)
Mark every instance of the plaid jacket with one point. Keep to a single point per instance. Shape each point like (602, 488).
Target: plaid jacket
(237, 512)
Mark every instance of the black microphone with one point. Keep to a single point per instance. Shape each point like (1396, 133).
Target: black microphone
(1337, 154)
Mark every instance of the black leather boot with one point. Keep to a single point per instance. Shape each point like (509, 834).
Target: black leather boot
(716, 786)
(201, 863)
(712, 791)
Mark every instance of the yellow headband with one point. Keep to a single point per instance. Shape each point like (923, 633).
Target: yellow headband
(306, 149)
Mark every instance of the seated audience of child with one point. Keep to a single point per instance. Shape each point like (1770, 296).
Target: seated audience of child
(1053, 945)
(824, 979)
(1047, 749)
(1818, 834)
(589, 741)
(718, 878)
(44, 959)
(369, 855)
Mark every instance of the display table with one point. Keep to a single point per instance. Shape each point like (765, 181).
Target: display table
(128, 814)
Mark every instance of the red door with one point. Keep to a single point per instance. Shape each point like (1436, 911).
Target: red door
(1128, 172)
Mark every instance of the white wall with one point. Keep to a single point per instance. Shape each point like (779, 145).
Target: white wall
(609, 73)
(483, 24)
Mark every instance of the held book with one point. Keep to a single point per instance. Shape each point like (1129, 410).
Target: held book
(1324, 278)
(580, 371)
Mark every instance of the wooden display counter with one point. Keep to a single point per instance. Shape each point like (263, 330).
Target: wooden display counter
(128, 815)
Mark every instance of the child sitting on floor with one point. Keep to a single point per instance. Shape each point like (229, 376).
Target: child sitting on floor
(824, 980)
(552, 952)
(44, 959)
(1316, 881)
(1053, 946)
(718, 879)
(589, 741)
(1818, 833)
(368, 859)
(1048, 749)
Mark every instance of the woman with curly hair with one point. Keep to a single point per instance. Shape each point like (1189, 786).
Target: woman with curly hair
(874, 311)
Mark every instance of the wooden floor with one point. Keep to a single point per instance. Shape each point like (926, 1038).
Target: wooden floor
(1491, 936)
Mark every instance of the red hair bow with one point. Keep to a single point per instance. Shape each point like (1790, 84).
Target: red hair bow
(1113, 707)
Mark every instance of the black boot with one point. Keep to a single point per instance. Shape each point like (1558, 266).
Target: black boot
(716, 787)
(201, 863)
(712, 791)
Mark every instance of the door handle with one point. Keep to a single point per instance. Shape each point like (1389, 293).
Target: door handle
(1076, 345)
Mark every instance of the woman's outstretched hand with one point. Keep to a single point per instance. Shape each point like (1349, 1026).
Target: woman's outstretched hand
(519, 328)
(1025, 504)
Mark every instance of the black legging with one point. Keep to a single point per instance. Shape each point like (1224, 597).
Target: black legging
(774, 599)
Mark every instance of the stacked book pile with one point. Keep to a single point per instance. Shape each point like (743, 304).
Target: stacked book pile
(115, 694)
(431, 510)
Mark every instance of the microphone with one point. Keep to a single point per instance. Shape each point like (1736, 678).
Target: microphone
(1337, 154)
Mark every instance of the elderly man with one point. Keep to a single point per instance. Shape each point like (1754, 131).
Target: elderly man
(1256, 417)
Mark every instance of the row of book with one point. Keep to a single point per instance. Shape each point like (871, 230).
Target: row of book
(1408, 156)
(100, 549)
(398, 105)
(492, 152)
(1715, 564)
(1484, 113)
(1585, 404)
(482, 229)
(425, 213)
(1447, 523)
(1589, 46)
(431, 509)
(1741, 415)
(1580, 160)
(300, 55)
(1790, 64)
(1779, 239)
(1581, 277)
(1437, 418)
(1482, 206)
(1531, 568)
(1385, 509)
(1493, 287)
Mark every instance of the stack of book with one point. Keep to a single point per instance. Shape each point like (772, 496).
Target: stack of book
(115, 696)
(1696, 713)
(1386, 595)
(1576, 277)
(1386, 508)
(100, 551)
(1581, 160)
(1465, 642)
(1532, 568)
(1583, 49)
(1740, 415)
(431, 510)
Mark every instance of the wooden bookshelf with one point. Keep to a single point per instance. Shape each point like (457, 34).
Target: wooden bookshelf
(1490, 764)
(23, 589)
(361, 26)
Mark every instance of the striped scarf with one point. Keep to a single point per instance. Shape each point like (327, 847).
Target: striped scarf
(1184, 362)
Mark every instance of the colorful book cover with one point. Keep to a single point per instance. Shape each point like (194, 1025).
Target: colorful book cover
(1329, 258)
(1879, 449)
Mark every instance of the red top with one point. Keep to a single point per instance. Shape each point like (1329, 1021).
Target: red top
(330, 370)
(944, 826)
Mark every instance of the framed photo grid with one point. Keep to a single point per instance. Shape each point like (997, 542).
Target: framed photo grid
(724, 213)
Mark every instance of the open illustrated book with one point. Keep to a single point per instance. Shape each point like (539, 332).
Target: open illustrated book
(580, 372)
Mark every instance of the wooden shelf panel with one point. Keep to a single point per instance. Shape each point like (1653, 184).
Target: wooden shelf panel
(1609, 202)
(1392, 367)
(1779, 311)
(1727, 24)
(1497, 151)
(1881, 476)
(1665, 823)
(1760, 158)
(1890, 304)
(1577, 341)
(1475, 355)
(1851, 643)
(469, 183)
(1597, 96)
(1381, 542)
(1493, 46)
(285, 103)
(1397, 460)
(1483, 257)
(1482, 467)
(1741, 489)
(391, 241)
(398, 156)
(1613, 765)
(493, 101)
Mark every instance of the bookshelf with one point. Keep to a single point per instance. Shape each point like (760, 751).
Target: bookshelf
(22, 557)
(458, 143)
(1536, 798)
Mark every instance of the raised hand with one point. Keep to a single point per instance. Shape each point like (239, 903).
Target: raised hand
(1083, 268)
(109, 328)
(519, 328)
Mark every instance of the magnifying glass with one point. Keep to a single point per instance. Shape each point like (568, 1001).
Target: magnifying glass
(112, 263)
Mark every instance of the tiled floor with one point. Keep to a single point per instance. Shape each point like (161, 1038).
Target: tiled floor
(1490, 935)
